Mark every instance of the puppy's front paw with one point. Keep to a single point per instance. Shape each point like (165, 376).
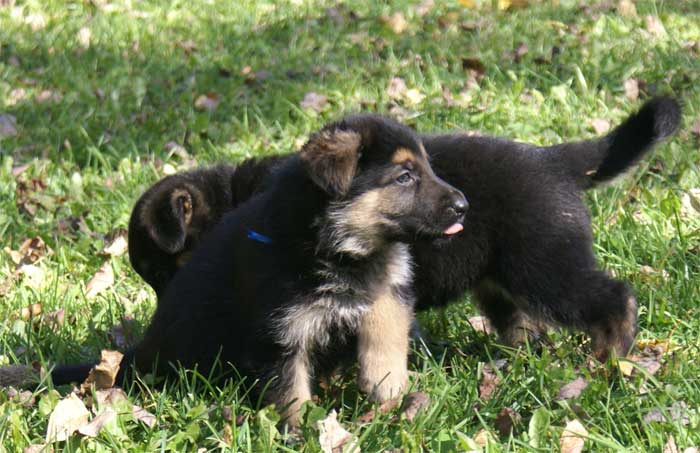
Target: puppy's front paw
(383, 383)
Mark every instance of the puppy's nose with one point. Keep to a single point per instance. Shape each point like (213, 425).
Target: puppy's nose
(459, 203)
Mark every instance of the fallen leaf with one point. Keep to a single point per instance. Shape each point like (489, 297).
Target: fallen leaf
(48, 96)
(424, 7)
(572, 390)
(84, 37)
(69, 414)
(695, 129)
(573, 437)
(634, 362)
(209, 101)
(104, 374)
(677, 412)
(15, 96)
(481, 324)
(110, 397)
(144, 416)
(227, 435)
(690, 203)
(397, 88)
(654, 26)
(413, 403)
(506, 420)
(8, 126)
(36, 21)
(101, 281)
(670, 445)
(117, 247)
(93, 428)
(512, 4)
(31, 311)
(25, 398)
(414, 96)
(467, 3)
(333, 437)
(54, 319)
(626, 8)
(38, 448)
(396, 22)
(384, 408)
(691, 450)
(314, 101)
(520, 51)
(33, 276)
(489, 382)
(600, 125)
(482, 438)
(631, 89)
(187, 45)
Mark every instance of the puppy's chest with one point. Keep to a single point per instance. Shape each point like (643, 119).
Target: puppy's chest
(342, 293)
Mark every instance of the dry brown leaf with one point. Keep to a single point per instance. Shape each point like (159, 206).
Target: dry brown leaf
(31, 311)
(25, 398)
(626, 8)
(314, 101)
(93, 428)
(33, 276)
(14, 97)
(424, 7)
(209, 101)
(396, 22)
(123, 335)
(413, 403)
(117, 247)
(670, 446)
(572, 390)
(8, 126)
(512, 4)
(481, 324)
(187, 45)
(631, 89)
(100, 282)
(489, 382)
(69, 414)
(333, 437)
(48, 96)
(690, 203)
(104, 374)
(634, 362)
(506, 420)
(397, 88)
(482, 438)
(573, 437)
(144, 416)
(691, 450)
(54, 319)
(414, 96)
(84, 37)
(654, 26)
(677, 412)
(38, 448)
(228, 435)
(36, 21)
(384, 408)
(600, 125)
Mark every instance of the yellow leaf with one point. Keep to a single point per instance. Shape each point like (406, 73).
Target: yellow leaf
(468, 3)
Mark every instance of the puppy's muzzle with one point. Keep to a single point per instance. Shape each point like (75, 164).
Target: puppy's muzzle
(457, 206)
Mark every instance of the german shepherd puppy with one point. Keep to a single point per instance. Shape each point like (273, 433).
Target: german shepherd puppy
(526, 252)
(317, 259)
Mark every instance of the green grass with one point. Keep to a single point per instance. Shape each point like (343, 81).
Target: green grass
(133, 90)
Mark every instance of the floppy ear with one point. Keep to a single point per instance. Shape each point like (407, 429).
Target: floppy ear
(330, 157)
(167, 217)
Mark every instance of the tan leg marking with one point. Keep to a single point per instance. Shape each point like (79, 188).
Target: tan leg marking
(297, 391)
(383, 348)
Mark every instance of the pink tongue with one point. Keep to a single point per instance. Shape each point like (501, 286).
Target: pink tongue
(454, 229)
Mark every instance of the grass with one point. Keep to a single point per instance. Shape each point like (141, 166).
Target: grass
(100, 139)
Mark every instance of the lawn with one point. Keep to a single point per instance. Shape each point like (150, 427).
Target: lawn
(99, 99)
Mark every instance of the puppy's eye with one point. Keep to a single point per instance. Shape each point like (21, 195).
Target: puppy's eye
(404, 178)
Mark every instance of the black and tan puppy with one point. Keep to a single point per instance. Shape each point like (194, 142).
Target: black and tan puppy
(527, 247)
(316, 260)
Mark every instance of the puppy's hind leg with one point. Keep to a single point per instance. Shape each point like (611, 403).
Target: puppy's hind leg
(383, 348)
(513, 326)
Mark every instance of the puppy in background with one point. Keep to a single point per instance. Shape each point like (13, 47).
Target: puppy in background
(526, 252)
(315, 263)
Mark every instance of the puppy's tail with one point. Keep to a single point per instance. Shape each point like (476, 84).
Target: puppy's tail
(67, 374)
(599, 160)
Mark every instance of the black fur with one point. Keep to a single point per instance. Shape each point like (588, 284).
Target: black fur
(526, 250)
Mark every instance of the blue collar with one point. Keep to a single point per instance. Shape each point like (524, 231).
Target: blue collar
(255, 236)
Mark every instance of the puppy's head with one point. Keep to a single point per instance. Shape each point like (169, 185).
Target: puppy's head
(381, 183)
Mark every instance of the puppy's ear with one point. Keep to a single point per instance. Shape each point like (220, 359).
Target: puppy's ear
(331, 157)
(167, 217)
